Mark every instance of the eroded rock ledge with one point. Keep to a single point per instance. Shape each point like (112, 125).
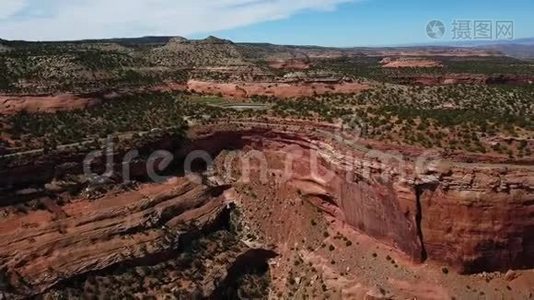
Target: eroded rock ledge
(41, 249)
(474, 217)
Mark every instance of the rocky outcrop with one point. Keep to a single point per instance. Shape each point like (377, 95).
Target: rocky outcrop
(474, 217)
(147, 224)
(351, 188)
(408, 62)
(40, 104)
(290, 64)
(245, 90)
(479, 218)
(463, 79)
(34, 174)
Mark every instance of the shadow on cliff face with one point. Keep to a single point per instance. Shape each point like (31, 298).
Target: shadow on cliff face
(506, 255)
(247, 278)
(419, 190)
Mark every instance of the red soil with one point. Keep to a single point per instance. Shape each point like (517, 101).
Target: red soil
(243, 90)
(290, 64)
(239, 90)
(410, 63)
(36, 104)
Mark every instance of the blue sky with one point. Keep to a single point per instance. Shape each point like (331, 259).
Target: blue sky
(385, 22)
(317, 22)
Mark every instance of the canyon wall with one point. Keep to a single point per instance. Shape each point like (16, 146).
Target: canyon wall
(480, 218)
(473, 217)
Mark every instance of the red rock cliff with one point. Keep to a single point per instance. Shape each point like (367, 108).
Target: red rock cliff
(474, 217)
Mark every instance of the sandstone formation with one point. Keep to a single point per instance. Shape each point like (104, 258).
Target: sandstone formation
(40, 104)
(410, 63)
(245, 90)
(290, 64)
(234, 90)
(476, 218)
(450, 79)
(49, 248)
(473, 217)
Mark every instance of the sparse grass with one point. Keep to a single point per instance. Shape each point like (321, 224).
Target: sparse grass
(130, 114)
(477, 119)
(182, 274)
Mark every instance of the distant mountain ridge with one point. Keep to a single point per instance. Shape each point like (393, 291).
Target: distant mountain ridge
(519, 48)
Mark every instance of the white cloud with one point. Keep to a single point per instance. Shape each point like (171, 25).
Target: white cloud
(77, 19)
(10, 7)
